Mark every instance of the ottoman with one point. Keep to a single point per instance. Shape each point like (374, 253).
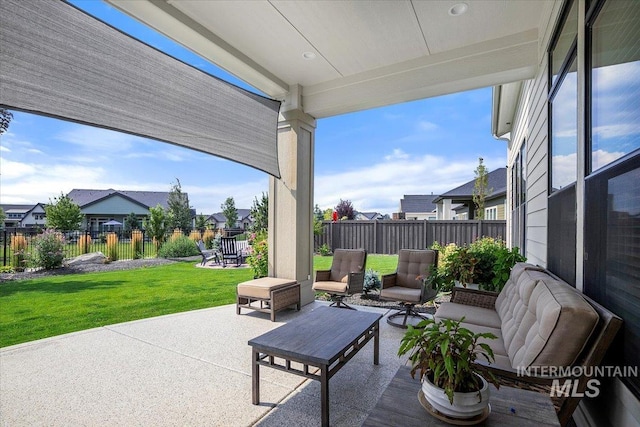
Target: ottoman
(268, 295)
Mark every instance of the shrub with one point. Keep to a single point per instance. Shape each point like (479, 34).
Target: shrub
(112, 246)
(195, 235)
(84, 243)
(18, 250)
(506, 259)
(324, 250)
(485, 251)
(371, 281)
(136, 243)
(178, 247)
(208, 237)
(48, 250)
(259, 255)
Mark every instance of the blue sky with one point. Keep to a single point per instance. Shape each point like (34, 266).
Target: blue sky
(372, 158)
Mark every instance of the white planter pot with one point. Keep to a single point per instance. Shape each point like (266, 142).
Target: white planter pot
(465, 405)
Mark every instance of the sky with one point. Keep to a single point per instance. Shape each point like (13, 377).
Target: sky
(372, 158)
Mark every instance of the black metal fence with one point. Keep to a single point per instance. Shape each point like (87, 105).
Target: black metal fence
(17, 244)
(388, 236)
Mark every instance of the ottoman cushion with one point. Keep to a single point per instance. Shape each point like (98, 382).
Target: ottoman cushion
(261, 288)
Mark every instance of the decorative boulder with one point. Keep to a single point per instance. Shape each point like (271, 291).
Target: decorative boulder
(92, 258)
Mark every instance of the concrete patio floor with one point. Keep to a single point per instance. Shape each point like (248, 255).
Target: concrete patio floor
(186, 369)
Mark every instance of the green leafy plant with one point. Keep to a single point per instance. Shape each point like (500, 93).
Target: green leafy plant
(259, 256)
(324, 250)
(505, 260)
(440, 281)
(48, 250)
(445, 352)
(462, 264)
(371, 281)
(178, 247)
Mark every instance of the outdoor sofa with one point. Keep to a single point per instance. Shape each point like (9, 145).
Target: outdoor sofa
(542, 324)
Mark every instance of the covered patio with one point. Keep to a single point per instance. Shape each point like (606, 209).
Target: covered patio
(190, 368)
(321, 59)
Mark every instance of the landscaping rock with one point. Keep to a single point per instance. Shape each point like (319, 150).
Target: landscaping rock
(92, 258)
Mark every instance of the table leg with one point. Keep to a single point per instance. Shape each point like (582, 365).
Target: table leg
(324, 395)
(376, 343)
(255, 376)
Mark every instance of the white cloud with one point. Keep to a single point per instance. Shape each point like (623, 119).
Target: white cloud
(98, 139)
(426, 126)
(397, 154)
(564, 170)
(5, 149)
(380, 187)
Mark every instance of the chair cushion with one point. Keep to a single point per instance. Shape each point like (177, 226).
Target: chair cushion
(413, 265)
(399, 293)
(331, 287)
(346, 261)
(261, 288)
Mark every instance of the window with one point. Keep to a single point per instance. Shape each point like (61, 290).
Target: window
(615, 86)
(491, 213)
(612, 199)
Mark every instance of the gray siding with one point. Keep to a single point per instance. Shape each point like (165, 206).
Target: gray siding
(115, 205)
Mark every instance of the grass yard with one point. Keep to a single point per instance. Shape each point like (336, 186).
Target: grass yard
(54, 305)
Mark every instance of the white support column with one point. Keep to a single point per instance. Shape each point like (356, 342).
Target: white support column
(291, 203)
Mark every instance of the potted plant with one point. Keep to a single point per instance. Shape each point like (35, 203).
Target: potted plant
(443, 352)
(462, 264)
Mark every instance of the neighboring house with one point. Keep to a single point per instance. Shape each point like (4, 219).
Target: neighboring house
(218, 220)
(14, 214)
(417, 206)
(101, 206)
(34, 217)
(370, 216)
(458, 203)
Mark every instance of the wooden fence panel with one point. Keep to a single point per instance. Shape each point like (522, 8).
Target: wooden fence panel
(388, 236)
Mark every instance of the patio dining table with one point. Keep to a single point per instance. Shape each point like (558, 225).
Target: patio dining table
(326, 339)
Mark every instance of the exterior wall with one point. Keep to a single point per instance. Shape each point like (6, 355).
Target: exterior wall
(421, 215)
(34, 217)
(115, 205)
(617, 405)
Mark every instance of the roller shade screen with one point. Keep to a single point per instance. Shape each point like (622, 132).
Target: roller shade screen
(58, 61)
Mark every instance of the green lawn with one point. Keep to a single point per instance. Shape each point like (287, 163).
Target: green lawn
(54, 305)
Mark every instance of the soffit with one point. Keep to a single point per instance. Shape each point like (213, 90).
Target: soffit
(368, 53)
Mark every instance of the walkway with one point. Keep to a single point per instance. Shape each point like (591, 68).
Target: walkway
(183, 369)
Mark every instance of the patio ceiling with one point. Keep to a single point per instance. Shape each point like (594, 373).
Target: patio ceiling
(366, 53)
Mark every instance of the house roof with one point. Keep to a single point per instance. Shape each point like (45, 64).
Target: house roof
(371, 215)
(497, 183)
(219, 216)
(146, 198)
(418, 203)
(9, 208)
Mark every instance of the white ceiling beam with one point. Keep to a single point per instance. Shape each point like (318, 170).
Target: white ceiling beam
(499, 61)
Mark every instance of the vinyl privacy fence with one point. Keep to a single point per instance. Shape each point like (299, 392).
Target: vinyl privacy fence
(389, 236)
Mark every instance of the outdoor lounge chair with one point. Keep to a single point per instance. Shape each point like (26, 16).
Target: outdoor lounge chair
(229, 251)
(207, 254)
(407, 284)
(346, 276)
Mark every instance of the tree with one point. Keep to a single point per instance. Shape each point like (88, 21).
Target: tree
(317, 213)
(327, 214)
(156, 225)
(201, 222)
(345, 210)
(131, 222)
(63, 214)
(260, 214)
(179, 211)
(480, 189)
(3, 216)
(229, 212)
(5, 119)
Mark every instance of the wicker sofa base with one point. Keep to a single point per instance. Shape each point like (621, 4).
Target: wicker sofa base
(281, 294)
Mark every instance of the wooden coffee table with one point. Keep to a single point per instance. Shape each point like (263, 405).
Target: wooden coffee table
(399, 405)
(326, 339)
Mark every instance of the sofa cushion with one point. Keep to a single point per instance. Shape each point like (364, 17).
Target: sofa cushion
(473, 315)
(555, 328)
(501, 358)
